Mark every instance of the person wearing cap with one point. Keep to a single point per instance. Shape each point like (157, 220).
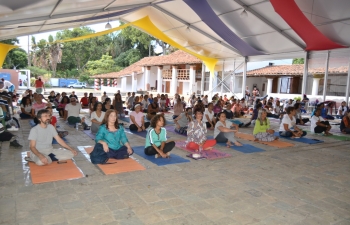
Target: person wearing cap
(8, 85)
(104, 96)
(71, 113)
(74, 95)
(137, 120)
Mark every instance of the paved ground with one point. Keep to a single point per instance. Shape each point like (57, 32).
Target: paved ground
(305, 184)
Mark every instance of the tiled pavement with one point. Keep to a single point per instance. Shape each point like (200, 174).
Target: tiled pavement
(304, 184)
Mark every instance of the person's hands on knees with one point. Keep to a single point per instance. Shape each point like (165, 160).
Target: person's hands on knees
(129, 150)
(105, 147)
(43, 159)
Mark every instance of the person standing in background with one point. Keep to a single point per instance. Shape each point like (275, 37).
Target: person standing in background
(39, 86)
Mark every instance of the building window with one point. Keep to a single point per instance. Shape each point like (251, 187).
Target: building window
(285, 85)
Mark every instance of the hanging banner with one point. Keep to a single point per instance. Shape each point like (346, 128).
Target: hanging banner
(4, 49)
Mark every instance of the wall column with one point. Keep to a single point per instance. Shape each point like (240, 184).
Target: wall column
(306, 68)
(211, 85)
(325, 77)
(101, 82)
(173, 85)
(147, 78)
(123, 84)
(244, 78)
(108, 82)
(160, 79)
(315, 84)
(269, 86)
(133, 82)
(193, 85)
(97, 84)
(203, 79)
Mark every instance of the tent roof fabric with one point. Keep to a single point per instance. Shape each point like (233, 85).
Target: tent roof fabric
(294, 70)
(262, 28)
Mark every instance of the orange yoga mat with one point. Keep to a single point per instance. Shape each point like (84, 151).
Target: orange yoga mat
(118, 166)
(276, 143)
(54, 172)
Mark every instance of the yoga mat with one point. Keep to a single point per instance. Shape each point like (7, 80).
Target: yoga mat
(209, 154)
(54, 142)
(88, 133)
(246, 148)
(337, 137)
(118, 166)
(174, 159)
(302, 139)
(141, 134)
(275, 143)
(54, 172)
(125, 119)
(172, 130)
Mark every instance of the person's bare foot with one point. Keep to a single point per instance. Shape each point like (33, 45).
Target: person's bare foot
(256, 140)
(228, 144)
(208, 149)
(238, 144)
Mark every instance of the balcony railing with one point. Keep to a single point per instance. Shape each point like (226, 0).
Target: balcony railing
(182, 74)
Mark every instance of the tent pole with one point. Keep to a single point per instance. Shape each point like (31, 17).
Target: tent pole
(347, 86)
(306, 68)
(203, 79)
(244, 78)
(325, 77)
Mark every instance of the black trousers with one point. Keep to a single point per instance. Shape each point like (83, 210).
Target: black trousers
(6, 136)
(273, 115)
(133, 127)
(319, 129)
(305, 120)
(208, 125)
(167, 148)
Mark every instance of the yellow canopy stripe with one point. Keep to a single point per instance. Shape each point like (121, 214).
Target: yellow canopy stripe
(4, 49)
(147, 26)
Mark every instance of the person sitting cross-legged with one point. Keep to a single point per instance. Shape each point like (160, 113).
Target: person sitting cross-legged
(40, 137)
(71, 113)
(7, 136)
(345, 123)
(196, 133)
(262, 130)
(153, 109)
(84, 101)
(224, 133)
(156, 140)
(320, 125)
(230, 115)
(299, 119)
(111, 137)
(97, 117)
(209, 117)
(181, 122)
(288, 126)
(137, 120)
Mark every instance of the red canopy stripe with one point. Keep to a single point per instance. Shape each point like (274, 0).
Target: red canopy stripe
(296, 19)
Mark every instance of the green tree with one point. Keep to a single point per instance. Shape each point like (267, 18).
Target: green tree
(128, 57)
(36, 71)
(16, 59)
(104, 65)
(298, 61)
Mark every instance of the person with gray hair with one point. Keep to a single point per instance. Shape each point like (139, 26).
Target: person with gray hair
(262, 130)
(40, 137)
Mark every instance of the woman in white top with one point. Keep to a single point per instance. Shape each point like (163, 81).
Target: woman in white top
(223, 131)
(319, 125)
(205, 101)
(209, 118)
(162, 104)
(145, 103)
(137, 120)
(26, 108)
(288, 126)
(97, 117)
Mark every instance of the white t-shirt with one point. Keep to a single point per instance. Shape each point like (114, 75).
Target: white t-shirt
(219, 124)
(27, 108)
(205, 101)
(7, 84)
(99, 119)
(286, 120)
(277, 110)
(73, 110)
(103, 98)
(314, 120)
(343, 109)
(138, 117)
(210, 115)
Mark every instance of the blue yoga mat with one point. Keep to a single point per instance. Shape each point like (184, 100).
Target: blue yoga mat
(302, 139)
(246, 148)
(54, 142)
(141, 134)
(174, 159)
(125, 119)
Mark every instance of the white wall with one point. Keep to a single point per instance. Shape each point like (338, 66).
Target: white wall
(153, 77)
(140, 82)
(186, 88)
(129, 84)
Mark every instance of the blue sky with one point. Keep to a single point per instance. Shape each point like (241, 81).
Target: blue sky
(100, 27)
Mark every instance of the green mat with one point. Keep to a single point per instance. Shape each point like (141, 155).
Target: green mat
(337, 137)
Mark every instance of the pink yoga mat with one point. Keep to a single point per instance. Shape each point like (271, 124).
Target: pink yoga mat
(210, 154)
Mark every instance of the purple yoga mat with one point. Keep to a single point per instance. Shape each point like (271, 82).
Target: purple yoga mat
(172, 130)
(209, 154)
(88, 133)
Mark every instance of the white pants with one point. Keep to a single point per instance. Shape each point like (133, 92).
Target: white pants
(60, 154)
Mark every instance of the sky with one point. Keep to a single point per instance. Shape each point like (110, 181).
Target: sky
(23, 42)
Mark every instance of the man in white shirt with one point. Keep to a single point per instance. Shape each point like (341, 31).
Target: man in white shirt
(8, 85)
(71, 113)
(342, 110)
(103, 97)
(130, 102)
(319, 125)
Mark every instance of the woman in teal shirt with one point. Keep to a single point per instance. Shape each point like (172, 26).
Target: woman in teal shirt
(262, 131)
(156, 141)
(111, 137)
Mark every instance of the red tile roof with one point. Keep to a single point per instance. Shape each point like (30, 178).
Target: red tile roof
(294, 70)
(177, 58)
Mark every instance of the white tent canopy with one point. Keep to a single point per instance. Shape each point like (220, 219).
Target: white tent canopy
(262, 28)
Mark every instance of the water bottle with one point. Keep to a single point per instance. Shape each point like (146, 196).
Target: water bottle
(77, 126)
